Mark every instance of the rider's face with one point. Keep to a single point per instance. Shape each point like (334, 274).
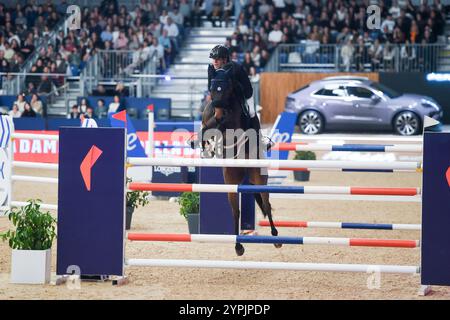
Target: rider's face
(218, 63)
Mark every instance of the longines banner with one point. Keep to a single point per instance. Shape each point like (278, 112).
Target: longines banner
(46, 150)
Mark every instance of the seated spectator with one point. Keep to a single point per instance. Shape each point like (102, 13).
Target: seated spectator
(254, 77)
(216, 13)
(46, 85)
(9, 53)
(28, 47)
(20, 102)
(121, 90)
(28, 112)
(14, 112)
(114, 106)
(106, 34)
(408, 55)
(89, 113)
(100, 91)
(264, 58)
(389, 53)
(248, 63)
(75, 113)
(31, 89)
(256, 56)
(157, 49)
(275, 36)
(84, 105)
(347, 51)
(389, 23)
(101, 111)
(121, 42)
(172, 28)
(36, 104)
(376, 54)
(165, 42)
(61, 65)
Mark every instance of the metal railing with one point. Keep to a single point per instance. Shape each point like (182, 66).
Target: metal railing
(313, 56)
(59, 86)
(119, 65)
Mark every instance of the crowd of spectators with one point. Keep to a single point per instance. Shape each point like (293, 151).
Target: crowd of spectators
(22, 27)
(101, 110)
(264, 24)
(22, 108)
(151, 28)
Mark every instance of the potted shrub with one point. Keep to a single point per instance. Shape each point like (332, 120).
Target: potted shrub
(133, 201)
(189, 209)
(303, 155)
(31, 243)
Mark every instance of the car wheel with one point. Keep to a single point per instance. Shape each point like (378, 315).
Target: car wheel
(310, 122)
(407, 123)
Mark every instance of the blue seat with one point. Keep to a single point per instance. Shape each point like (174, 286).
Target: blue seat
(283, 57)
(301, 49)
(309, 58)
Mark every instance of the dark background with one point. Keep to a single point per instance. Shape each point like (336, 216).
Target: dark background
(415, 82)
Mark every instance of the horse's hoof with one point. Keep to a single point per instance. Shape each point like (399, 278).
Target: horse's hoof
(274, 232)
(239, 248)
(278, 245)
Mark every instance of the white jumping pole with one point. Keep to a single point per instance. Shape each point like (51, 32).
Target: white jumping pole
(151, 126)
(17, 135)
(263, 163)
(35, 179)
(35, 165)
(42, 205)
(221, 264)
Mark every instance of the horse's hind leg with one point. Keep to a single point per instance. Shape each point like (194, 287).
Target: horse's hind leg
(267, 211)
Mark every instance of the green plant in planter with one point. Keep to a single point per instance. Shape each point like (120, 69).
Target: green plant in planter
(135, 199)
(189, 203)
(305, 155)
(34, 229)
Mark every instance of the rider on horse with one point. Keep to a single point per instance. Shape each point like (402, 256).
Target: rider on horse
(242, 88)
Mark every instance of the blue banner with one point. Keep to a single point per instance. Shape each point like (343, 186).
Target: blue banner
(134, 145)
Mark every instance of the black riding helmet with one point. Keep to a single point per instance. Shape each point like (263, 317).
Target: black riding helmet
(219, 52)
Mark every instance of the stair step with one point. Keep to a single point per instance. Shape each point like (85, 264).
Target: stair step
(178, 96)
(188, 66)
(208, 40)
(190, 74)
(198, 46)
(178, 89)
(185, 82)
(193, 60)
(211, 32)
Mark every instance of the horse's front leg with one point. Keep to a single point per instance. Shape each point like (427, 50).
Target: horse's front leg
(235, 176)
(233, 199)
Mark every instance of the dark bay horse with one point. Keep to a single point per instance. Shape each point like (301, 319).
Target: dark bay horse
(231, 139)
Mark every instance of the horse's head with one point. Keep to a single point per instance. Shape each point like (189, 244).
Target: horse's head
(222, 89)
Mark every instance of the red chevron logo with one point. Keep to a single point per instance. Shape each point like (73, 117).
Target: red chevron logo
(88, 162)
(448, 176)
